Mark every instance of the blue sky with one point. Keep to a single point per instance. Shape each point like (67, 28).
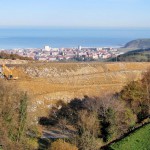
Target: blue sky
(75, 13)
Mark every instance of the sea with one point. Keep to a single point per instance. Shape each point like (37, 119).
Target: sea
(12, 38)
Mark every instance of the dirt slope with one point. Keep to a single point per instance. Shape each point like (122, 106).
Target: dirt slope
(50, 82)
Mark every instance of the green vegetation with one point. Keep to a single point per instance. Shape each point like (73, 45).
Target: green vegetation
(139, 140)
(134, 56)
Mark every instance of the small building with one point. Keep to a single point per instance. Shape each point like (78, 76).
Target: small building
(51, 58)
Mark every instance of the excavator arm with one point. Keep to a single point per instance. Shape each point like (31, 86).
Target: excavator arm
(7, 73)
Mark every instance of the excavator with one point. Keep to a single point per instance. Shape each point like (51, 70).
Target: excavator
(6, 73)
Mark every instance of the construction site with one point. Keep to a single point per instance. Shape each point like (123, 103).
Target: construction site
(48, 83)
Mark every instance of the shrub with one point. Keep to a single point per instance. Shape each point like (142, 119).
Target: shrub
(61, 145)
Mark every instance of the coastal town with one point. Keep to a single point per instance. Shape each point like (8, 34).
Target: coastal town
(66, 54)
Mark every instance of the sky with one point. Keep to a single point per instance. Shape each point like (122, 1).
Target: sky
(75, 13)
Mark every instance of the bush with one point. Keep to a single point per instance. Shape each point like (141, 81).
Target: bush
(61, 145)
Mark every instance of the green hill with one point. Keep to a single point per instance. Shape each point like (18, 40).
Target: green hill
(141, 55)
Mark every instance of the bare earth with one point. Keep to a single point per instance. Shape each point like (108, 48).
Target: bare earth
(49, 82)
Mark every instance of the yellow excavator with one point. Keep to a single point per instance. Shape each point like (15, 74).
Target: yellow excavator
(7, 73)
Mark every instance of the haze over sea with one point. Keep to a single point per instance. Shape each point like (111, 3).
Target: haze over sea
(62, 37)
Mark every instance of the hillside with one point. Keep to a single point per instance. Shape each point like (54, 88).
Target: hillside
(138, 44)
(139, 140)
(51, 82)
(44, 116)
(134, 56)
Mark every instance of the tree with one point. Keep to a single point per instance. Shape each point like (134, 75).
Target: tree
(87, 141)
(146, 86)
(137, 96)
(22, 115)
(13, 118)
(133, 94)
(88, 130)
(115, 117)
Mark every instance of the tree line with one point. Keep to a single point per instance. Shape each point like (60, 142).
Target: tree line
(4, 55)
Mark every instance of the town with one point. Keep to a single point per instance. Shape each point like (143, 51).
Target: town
(66, 54)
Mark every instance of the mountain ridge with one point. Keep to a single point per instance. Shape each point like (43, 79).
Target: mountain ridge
(138, 44)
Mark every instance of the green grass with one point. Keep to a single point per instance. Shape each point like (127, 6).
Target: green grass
(139, 140)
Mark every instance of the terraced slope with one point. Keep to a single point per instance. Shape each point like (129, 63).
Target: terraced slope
(50, 82)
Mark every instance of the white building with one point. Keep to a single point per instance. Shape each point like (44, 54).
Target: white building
(47, 48)
(79, 48)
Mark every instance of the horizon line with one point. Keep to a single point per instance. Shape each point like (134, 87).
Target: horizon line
(71, 27)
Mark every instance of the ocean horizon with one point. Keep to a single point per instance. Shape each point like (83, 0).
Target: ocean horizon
(11, 38)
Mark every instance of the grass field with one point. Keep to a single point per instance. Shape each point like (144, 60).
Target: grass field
(139, 140)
